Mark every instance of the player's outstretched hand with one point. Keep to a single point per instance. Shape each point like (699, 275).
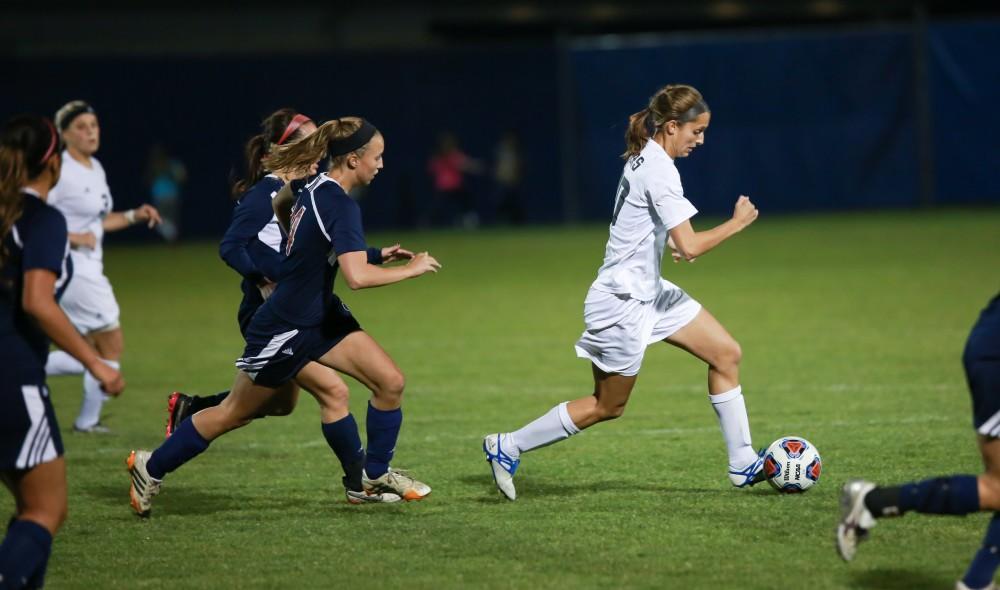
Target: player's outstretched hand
(394, 253)
(745, 211)
(423, 262)
(149, 214)
(111, 380)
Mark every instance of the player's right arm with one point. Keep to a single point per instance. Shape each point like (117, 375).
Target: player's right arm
(249, 217)
(690, 244)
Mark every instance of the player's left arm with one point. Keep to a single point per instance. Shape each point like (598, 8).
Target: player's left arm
(118, 220)
(689, 244)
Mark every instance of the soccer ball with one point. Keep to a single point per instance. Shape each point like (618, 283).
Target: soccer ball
(792, 464)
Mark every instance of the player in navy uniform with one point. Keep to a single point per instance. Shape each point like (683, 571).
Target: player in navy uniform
(253, 247)
(862, 502)
(304, 323)
(34, 270)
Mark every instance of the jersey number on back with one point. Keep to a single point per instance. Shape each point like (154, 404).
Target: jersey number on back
(623, 188)
(296, 218)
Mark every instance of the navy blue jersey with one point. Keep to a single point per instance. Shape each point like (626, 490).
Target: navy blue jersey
(252, 244)
(38, 240)
(325, 224)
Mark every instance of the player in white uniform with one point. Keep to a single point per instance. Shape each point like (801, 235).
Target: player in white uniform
(629, 306)
(83, 197)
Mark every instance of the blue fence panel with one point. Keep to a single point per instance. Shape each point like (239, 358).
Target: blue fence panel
(799, 121)
(965, 98)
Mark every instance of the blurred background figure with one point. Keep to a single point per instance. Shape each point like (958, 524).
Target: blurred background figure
(166, 176)
(507, 205)
(454, 203)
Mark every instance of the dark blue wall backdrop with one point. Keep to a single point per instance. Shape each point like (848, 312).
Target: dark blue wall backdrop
(816, 120)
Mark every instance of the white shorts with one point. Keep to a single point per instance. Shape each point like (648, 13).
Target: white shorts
(620, 328)
(90, 303)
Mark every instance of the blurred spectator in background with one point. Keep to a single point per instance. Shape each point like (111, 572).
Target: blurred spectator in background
(453, 203)
(166, 175)
(507, 206)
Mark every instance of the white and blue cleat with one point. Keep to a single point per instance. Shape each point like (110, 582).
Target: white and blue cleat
(498, 450)
(750, 475)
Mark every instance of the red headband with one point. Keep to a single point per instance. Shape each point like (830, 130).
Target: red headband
(52, 143)
(296, 122)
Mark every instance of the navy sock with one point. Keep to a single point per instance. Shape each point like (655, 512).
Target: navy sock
(345, 441)
(199, 402)
(957, 495)
(984, 564)
(182, 446)
(24, 554)
(383, 430)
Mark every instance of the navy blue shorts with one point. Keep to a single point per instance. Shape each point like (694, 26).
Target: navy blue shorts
(29, 433)
(276, 350)
(982, 369)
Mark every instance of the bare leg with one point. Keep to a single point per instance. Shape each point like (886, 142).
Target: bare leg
(611, 393)
(329, 390)
(706, 339)
(359, 356)
(245, 400)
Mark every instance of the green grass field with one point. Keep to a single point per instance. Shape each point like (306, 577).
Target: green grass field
(851, 325)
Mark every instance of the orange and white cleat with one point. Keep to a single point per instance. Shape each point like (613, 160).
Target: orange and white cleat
(143, 486)
(396, 482)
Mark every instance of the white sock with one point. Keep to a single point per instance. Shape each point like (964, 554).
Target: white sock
(93, 399)
(554, 426)
(61, 363)
(735, 425)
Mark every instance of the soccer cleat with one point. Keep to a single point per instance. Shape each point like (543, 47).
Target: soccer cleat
(395, 482)
(95, 429)
(502, 464)
(960, 585)
(178, 406)
(750, 475)
(855, 519)
(143, 486)
(366, 497)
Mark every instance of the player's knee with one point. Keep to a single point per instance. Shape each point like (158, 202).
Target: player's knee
(392, 386)
(335, 396)
(729, 356)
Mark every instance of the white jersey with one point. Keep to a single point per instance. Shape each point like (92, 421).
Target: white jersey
(650, 202)
(83, 197)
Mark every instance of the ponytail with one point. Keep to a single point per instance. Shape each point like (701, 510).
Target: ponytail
(254, 153)
(12, 178)
(673, 102)
(637, 132)
(305, 153)
(279, 128)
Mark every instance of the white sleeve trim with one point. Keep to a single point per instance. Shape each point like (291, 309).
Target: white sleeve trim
(319, 220)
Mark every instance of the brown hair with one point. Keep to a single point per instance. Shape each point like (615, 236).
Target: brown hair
(274, 130)
(27, 143)
(307, 152)
(673, 102)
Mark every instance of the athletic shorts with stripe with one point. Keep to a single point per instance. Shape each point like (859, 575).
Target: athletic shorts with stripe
(276, 350)
(982, 370)
(29, 433)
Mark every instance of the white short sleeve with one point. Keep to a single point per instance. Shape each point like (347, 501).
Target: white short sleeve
(667, 196)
